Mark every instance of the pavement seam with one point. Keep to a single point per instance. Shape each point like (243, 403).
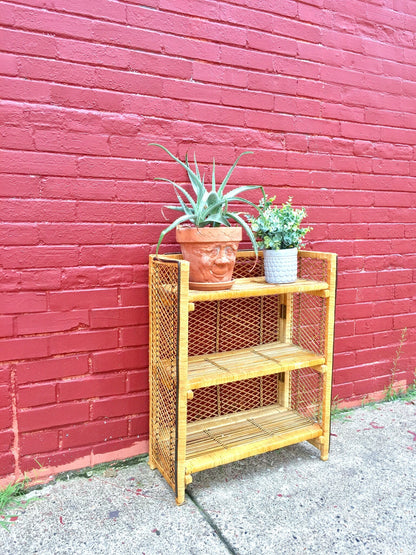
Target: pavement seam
(211, 523)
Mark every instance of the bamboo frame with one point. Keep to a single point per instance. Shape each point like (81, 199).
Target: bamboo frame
(236, 398)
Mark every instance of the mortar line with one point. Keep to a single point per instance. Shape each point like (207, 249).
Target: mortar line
(212, 524)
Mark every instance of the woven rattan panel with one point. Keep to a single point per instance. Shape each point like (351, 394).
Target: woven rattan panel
(233, 397)
(246, 266)
(313, 268)
(164, 325)
(306, 393)
(227, 325)
(308, 322)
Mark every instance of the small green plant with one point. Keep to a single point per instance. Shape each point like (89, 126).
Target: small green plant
(278, 227)
(9, 501)
(207, 206)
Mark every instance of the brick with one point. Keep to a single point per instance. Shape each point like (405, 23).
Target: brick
(109, 361)
(94, 432)
(82, 341)
(34, 395)
(117, 317)
(87, 298)
(6, 326)
(84, 388)
(51, 369)
(40, 257)
(38, 442)
(42, 280)
(63, 188)
(19, 234)
(120, 406)
(52, 416)
(134, 335)
(375, 293)
(37, 162)
(114, 255)
(56, 459)
(4, 396)
(6, 418)
(111, 211)
(113, 445)
(19, 185)
(137, 381)
(74, 233)
(393, 277)
(22, 348)
(134, 296)
(353, 343)
(15, 303)
(6, 441)
(372, 325)
(51, 322)
(139, 426)
(7, 464)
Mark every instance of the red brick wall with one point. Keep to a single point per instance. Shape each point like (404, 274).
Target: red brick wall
(322, 91)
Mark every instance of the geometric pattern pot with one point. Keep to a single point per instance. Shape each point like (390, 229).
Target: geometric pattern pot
(281, 266)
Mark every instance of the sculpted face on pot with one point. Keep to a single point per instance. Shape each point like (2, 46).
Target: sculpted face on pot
(212, 262)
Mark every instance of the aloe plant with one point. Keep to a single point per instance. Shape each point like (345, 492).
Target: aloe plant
(208, 206)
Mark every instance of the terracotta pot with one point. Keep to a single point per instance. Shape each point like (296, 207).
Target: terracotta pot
(211, 253)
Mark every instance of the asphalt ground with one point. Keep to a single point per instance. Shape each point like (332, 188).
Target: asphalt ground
(361, 501)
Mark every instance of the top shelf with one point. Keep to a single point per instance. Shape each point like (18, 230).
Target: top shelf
(257, 287)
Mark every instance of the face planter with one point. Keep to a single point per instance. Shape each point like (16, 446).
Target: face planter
(211, 252)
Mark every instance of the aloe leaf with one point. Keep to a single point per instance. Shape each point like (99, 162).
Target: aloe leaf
(174, 224)
(212, 198)
(196, 167)
(183, 191)
(219, 219)
(246, 228)
(230, 171)
(241, 189)
(239, 199)
(196, 182)
(213, 175)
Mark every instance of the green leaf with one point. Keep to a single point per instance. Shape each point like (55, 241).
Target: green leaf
(174, 224)
(241, 189)
(183, 191)
(246, 228)
(196, 182)
(213, 175)
(230, 171)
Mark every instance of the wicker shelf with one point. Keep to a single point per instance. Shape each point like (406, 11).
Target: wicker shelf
(228, 438)
(257, 287)
(260, 360)
(238, 372)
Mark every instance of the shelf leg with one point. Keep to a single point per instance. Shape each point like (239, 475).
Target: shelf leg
(324, 448)
(152, 463)
(180, 498)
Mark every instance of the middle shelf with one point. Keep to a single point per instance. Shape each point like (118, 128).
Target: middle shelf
(241, 364)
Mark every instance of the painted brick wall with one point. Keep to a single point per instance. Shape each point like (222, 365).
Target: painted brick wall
(323, 92)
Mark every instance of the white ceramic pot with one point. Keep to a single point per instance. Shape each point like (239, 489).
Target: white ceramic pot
(281, 266)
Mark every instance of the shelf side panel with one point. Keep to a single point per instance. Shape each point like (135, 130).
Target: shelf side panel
(164, 325)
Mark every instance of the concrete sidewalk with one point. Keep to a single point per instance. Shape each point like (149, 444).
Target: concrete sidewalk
(363, 500)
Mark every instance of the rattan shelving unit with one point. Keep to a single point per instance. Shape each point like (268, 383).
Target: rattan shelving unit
(238, 372)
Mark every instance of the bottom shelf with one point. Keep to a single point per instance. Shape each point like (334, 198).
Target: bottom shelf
(225, 439)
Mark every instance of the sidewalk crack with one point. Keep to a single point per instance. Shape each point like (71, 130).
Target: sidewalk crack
(211, 523)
